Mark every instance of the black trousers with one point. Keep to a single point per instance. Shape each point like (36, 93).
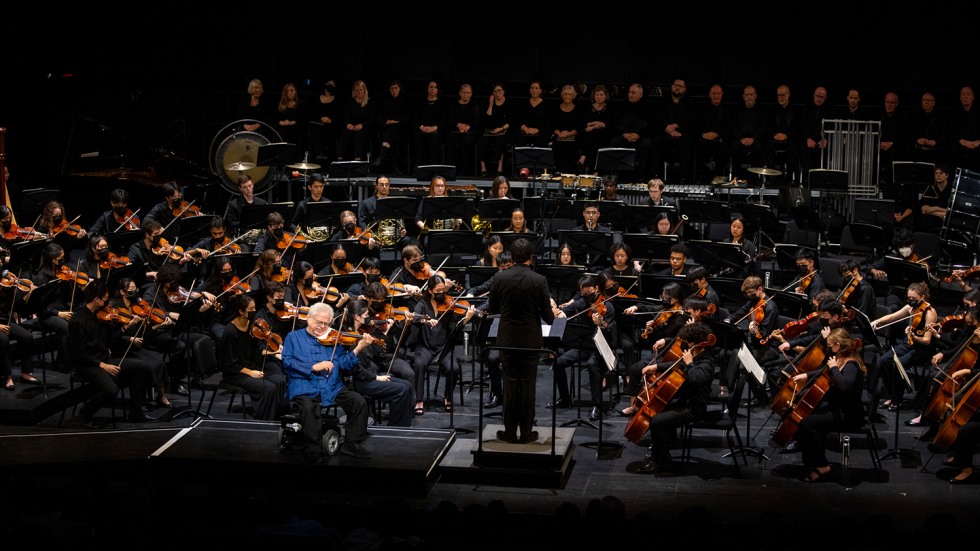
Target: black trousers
(520, 372)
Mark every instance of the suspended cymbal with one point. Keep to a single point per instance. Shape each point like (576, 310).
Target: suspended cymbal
(240, 166)
(304, 166)
(762, 171)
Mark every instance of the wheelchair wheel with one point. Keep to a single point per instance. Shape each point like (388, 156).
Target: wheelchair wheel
(331, 442)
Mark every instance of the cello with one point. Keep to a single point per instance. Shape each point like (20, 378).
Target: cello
(943, 396)
(964, 404)
(809, 398)
(657, 394)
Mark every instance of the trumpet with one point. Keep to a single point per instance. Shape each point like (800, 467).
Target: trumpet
(673, 231)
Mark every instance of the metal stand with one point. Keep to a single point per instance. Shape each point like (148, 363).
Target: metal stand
(895, 451)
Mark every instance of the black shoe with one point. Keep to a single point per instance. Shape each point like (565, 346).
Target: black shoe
(509, 438)
(141, 417)
(560, 404)
(182, 390)
(594, 414)
(493, 402)
(531, 437)
(90, 423)
(790, 448)
(355, 449)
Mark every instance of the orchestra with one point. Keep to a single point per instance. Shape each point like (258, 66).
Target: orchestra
(410, 302)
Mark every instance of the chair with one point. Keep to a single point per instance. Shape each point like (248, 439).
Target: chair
(928, 245)
(83, 390)
(830, 271)
(718, 420)
(231, 388)
(870, 433)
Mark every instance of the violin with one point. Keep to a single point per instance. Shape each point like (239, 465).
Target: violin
(963, 275)
(128, 219)
(394, 289)
(849, 289)
(459, 307)
(674, 352)
(236, 286)
(291, 311)
(293, 240)
(226, 243)
(657, 394)
(320, 292)
(180, 295)
(916, 321)
(363, 236)
(186, 210)
(346, 339)
(662, 318)
(66, 227)
(949, 323)
(400, 313)
(119, 315)
(155, 315)
(345, 269)
(164, 248)
(260, 329)
(67, 274)
(281, 275)
(16, 233)
(114, 261)
(425, 272)
(791, 329)
(11, 280)
(805, 281)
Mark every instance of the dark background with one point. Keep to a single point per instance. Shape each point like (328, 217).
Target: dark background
(170, 75)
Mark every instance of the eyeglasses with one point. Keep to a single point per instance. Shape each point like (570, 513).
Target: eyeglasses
(320, 323)
(591, 212)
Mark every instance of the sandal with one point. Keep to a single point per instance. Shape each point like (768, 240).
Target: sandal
(9, 385)
(950, 461)
(448, 406)
(419, 410)
(29, 379)
(814, 476)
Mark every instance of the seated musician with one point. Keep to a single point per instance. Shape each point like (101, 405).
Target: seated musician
(96, 252)
(377, 377)
(273, 303)
(622, 261)
(57, 309)
(661, 331)
(371, 267)
(786, 343)
(840, 409)
(763, 318)
(219, 243)
(903, 247)
(245, 361)
(697, 278)
(504, 260)
(656, 187)
(118, 218)
(163, 212)
(233, 212)
(151, 253)
(54, 221)
(141, 337)
(303, 290)
(954, 333)
(917, 348)
(518, 224)
(391, 232)
(689, 403)
(411, 273)
(218, 287)
(437, 188)
(494, 246)
(811, 281)
(736, 235)
(590, 219)
(274, 237)
(586, 308)
(349, 229)
(315, 187)
(964, 446)
(662, 224)
(338, 264)
(678, 261)
(857, 293)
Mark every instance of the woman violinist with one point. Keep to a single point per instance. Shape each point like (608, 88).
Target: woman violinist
(14, 293)
(736, 235)
(138, 334)
(170, 298)
(220, 287)
(54, 222)
(407, 274)
(59, 306)
(338, 263)
(443, 314)
(267, 270)
(245, 362)
(840, 409)
(351, 230)
(690, 402)
(96, 253)
(915, 348)
(301, 290)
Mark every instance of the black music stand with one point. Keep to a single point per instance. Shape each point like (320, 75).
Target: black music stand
(22, 254)
(508, 238)
(120, 241)
(707, 212)
(913, 173)
(32, 201)
(825, 181)
(876, 212)
(404, 208)
(616, 214)
(451, 242)
(720, 259)
(791, 305)
(35, 304)
(319, 253)
(276, 155)
(131, 271)
(650, 247)
(901, 272)
(190, 317)
(615, 159)
(761, 221)
(495, 210)
(872, 237)
(590, 245)
(579, 335)
(449, 349)
(347, 171)
(193, 228)
(457, 206)
(533, 158)
(641, 217)
(327, 213)
(546, 209)
(653, 284)
(425, 173)
(563, 277)
(809, 220)
(906, 456)
(478, 275)
(253, 216)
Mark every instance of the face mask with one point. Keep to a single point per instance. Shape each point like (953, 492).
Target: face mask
(102, 252)
(905, 251)
(349, 227)
(373, 278)
(57, 219)
(133, 295)
(824, 322)
(250, 315)
(439, 297)
(913, 303)
(308, 282)
(121, 211)
(803, 269)
(279, 305)
(340, 262)
(158, 240)
(226, 276)
(416, 266)
(279, 234)
(591, 297)
(7, 225)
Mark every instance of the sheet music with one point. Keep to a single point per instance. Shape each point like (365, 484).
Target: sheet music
(901, 370)
(750, 365)
(603, 347)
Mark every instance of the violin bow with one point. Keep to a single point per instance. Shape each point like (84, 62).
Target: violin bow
(337, 344)
(226, 245)
(394, 353)
(797, 280)
(246, 278)
(183, 210)
(126, 221)
(453, 303)
(754, 308)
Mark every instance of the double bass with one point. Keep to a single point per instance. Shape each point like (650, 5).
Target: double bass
(656, 395)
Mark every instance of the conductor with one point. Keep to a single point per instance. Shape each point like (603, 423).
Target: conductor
(521, 297)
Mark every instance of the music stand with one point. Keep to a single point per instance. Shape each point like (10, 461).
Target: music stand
(318, 253)
(276, 155)
(915, 173)
(457, 206)
(650, 247)
(404, 208)
(448, 242)
(189, 317)
(348, 170)
(449, 349)
(120, 241)
(579, 336)
(719, 259)
(532, 158)
(808, 220)
(656, 282)
(642, 216)
(900, 375)
(761, 221)
(616, 214)
(327, 213)
(40, 298)
(425, 173)
(241, 263)
(792, 305)
(131, 271)
(21, 254)
(871, 237)
(508, 238)
(615, 159)
(478, 275)
(563, 276)
(498, 209)
(592, 244)
(877, 212)
(192, 229)
(546, 210)
(253, 216)
(901, 272)
(33, 200)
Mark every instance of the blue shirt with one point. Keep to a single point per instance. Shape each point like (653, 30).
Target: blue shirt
(300, 351)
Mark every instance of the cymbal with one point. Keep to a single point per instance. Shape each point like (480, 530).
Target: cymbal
(240, 166)
(304, 166)
(762, 171)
